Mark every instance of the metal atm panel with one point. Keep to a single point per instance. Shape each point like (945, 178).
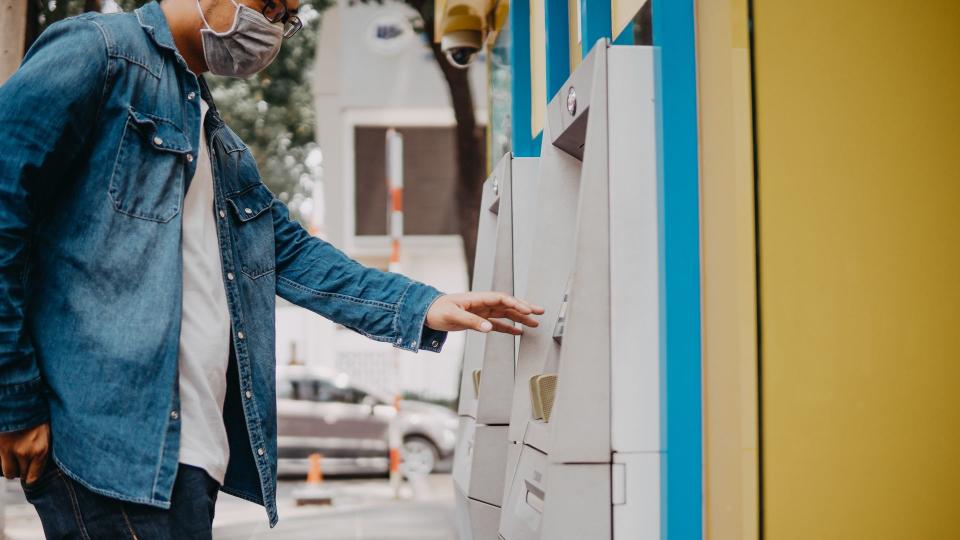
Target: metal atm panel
(551, 258)
(486, 388)
(611, 342)
(480, 472)
(523, 504)
(491, 354)
(480, 462)
(476, 520)
(594, 268)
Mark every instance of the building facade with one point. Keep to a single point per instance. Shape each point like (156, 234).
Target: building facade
(374, 72)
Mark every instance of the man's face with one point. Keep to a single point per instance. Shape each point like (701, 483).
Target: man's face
(221, 13)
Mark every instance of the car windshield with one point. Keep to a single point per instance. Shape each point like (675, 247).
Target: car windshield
(308, 389)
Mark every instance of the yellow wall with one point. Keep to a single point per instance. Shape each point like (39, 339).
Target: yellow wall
(576, 49)
(729, 272)
(622, 13)
(858, 132)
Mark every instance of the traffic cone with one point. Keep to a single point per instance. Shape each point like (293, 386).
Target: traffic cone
(315, 474)
(396, 479)
(313, 491)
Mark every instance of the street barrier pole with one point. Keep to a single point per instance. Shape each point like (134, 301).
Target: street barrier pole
(394, 148)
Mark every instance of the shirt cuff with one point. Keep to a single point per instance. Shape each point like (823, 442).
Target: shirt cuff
(412, 331)
(22, 406)
(433, 340)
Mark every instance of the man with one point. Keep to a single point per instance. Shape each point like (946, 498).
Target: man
(140, 258)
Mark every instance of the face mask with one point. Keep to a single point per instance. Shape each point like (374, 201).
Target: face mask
(248, 47)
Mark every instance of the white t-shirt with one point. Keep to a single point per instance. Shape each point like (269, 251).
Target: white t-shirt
(204, 327)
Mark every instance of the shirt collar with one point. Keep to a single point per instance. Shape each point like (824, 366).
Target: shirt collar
(208, 97)
(154, 23)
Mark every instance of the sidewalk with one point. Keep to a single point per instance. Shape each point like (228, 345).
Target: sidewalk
(362, 510)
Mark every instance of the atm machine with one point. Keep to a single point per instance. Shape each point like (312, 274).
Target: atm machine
(503, 245)
(583, 451)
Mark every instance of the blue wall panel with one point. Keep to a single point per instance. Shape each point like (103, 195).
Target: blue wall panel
(523, 143)
(681, 384)
(557, 30)
(595, 22)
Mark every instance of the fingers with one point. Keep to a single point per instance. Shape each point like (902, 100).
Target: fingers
(512, 314)
(480, 310)
(500, 299)
(535, 309)
(10, 466)
(23, 465)
(494, 299)
(505, 327)
(521, 318)
(35, 468)
(465, 319)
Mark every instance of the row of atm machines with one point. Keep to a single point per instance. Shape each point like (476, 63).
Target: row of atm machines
(560, 428)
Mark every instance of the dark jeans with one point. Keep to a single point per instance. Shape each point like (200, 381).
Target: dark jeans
(70, 511)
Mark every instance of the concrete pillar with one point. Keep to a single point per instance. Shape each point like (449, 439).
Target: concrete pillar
(13, 18)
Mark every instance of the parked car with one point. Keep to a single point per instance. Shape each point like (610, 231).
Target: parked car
(323, 412)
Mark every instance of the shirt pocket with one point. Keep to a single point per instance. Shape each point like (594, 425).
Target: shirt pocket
(254, 229)
(147, 179)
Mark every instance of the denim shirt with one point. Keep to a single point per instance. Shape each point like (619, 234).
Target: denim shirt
(100, 130)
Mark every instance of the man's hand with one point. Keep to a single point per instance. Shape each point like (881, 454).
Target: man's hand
(24, 453)
(481, 311)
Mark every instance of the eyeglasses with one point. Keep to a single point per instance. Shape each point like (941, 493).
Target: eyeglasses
(276, 12)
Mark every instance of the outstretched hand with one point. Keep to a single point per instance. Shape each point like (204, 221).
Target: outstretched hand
(483, 312)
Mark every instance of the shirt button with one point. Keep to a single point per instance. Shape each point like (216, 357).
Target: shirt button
(230, 276)
(249, 394)
(157, 141)
(222, 213)
(240, 335)
(413, 343)
(174, 415)
(435, 343)
(191, 95)
(247, 210)
(189, 158)
(260, 451)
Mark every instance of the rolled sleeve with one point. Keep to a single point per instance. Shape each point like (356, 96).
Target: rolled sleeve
(383, 306)
(412, 331)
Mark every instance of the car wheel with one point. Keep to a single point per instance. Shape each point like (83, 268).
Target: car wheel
(418, 457)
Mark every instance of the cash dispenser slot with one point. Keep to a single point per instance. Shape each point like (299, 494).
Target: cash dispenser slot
(543, 391)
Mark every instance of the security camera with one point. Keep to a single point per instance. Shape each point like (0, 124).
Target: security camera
(461, 46)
